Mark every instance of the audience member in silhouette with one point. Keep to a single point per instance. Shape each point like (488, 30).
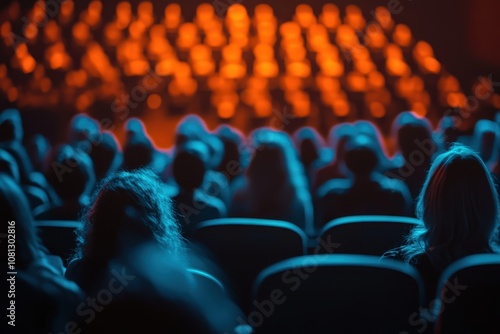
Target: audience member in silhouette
(38, 147)
(107, 232)
(232, 163)
(310, 146)
(191, 202)
(365, 191)
(486, 141)
(275, 186)
(417, 149)
(44, 300)
(71, 174)
(82, 128)
(446, 133)
(106, 155)
(35, 195)
(459, 208)
(11, 140)
(192, 127)
(369, 129)
(338, 137)
(139, 150)
(158, 291)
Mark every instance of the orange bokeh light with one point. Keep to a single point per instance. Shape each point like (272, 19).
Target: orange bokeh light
(153, 101)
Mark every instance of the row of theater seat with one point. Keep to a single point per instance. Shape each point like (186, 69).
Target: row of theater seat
(285, 283)
(370, 235)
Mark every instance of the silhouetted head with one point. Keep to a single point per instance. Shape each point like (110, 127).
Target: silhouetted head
(70, 173)
(414, 134)
(137, 153)
(192, 127)
(338, 137)
(360, 157)
(268, 171)
(105, 155)
(135, 128)
(82, 127)
(458, 205)
(11, 126)
(129, 208)
(448, 131)
(485, 139)
(232, 140)
(190, 165)
(15, 208)
(367, 128)
(37, 147)
(8, 165)
(308, 142)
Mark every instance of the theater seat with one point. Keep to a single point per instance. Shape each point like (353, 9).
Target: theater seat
(336, 294)
(58, 236)
(369, 235)
(207, 282)
(245, 246)
(469, 295)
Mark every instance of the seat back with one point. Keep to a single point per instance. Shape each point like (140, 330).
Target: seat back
(207, 282)
(245, 246)
(370, 235)
(58, 236)
(469, 295)
(336, 294)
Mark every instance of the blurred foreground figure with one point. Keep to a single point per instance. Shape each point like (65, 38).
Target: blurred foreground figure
(44, 300)
(132, 260)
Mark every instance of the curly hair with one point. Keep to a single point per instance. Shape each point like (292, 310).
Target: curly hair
(128, 208)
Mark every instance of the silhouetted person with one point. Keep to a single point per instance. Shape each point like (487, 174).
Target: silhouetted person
(137, 153)
(486, 141)
(338, 137)
(447, 133)
(82, 128)
(139, 150)
(158, 291)
(108, 231)
(369, 129)
(44, 300)
(459, 208)
(106, 155)
(11, 137)
(191, 201)
(192, 127)
(309, 145)
(71, 174)
(232, 163)
(35, 195)
(275, 186)
(366, 191)
(417, 149)
(38, 147)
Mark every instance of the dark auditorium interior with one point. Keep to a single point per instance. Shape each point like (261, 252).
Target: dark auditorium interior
(250, 166)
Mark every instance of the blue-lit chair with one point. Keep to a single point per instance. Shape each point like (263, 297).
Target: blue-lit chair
(245, 246)
(469, 295)
(336, 294)
(207, 282)
(58, 236)
(370, 235)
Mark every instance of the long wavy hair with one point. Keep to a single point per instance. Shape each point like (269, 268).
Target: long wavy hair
(129, 207)
(459, 207)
